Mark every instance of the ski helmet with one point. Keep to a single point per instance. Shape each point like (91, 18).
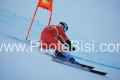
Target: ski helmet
(64, 26)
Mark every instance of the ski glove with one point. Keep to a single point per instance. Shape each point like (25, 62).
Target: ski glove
(71, 48)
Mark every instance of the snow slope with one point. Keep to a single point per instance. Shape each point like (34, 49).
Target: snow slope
(24, 65)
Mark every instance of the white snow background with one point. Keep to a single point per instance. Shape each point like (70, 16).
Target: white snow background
(88, 20)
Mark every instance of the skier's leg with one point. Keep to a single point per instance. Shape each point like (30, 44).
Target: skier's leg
(59, 54)
(67, 55)
(70, 58)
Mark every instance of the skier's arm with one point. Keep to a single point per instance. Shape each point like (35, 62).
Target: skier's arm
(62, 33)
(61, 39)
(71, 48)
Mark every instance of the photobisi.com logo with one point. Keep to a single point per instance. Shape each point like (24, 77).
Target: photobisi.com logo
(80, 46)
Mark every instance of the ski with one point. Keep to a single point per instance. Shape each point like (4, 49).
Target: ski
(98, 72)
(64, 61)
(81, 66)
(67, 63)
